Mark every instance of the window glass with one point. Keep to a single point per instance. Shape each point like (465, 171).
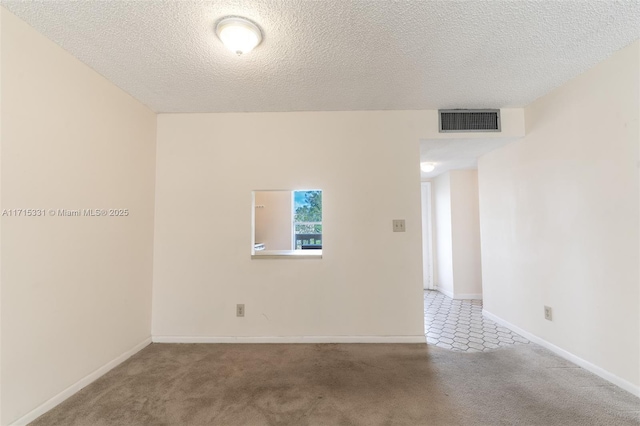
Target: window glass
(307, 220)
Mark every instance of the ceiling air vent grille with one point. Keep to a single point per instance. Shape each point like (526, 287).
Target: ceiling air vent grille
(469, 120)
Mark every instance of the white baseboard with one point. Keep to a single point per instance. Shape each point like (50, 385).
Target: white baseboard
(598, 371)
(290, 339)
(82, 383)
(447, 293)
(460, 296)
(468, 296)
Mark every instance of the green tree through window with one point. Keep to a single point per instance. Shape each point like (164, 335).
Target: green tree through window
(307, 218)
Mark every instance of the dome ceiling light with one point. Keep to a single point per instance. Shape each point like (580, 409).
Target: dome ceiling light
(427, 167)
(238, 34)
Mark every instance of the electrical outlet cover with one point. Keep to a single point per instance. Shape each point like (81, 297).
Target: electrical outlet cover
(398, 225)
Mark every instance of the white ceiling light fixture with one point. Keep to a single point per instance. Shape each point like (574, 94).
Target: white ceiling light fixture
(238, 34)
(427, 167)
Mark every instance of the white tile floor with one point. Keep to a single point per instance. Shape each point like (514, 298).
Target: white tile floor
(458, 325)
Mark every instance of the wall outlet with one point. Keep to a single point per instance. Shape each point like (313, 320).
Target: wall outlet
(240, 310)
(548, 314)
(398, 225)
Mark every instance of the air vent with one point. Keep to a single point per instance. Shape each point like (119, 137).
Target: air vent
(469, 120)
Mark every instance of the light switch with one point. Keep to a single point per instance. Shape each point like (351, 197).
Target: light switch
(398, 225)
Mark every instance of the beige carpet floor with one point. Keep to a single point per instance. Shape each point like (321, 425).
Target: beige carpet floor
(356, 384)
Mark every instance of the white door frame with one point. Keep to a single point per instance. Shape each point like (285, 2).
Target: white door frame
(427, 236)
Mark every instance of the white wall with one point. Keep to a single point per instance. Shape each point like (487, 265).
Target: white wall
(76, 290)
(465, 230)
(427, 232)
(273, 221)
(369, 281)
(2, 10)
(443, 236)
(457, 235)
(559, 220)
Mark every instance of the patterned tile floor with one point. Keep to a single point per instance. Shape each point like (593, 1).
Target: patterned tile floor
(458, 325)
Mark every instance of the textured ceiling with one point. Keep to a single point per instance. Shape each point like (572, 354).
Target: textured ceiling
(338, 54)
(457, 154)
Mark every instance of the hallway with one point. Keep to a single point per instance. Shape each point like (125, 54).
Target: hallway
(458, 325)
